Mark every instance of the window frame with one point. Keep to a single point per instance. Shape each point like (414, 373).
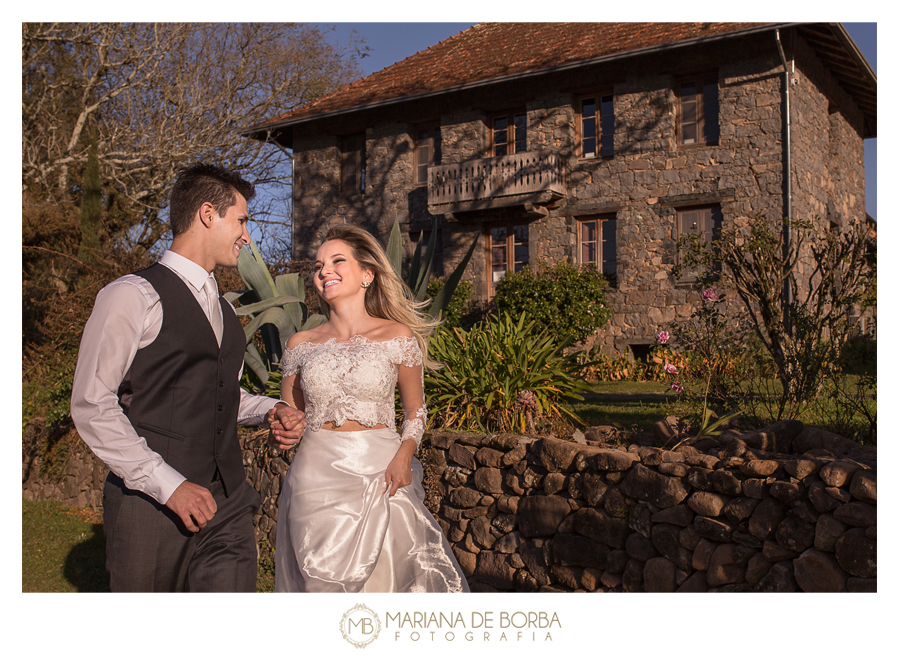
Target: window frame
(717, 220)
(601, 151)
(707, 134)
(600, 242)
(511, 140)
(353, 164)
(433, 156)
(509, 247)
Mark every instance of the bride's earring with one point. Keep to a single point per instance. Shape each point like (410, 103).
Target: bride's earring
(366, 284)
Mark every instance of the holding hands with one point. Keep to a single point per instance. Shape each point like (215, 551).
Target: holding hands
(286, 426)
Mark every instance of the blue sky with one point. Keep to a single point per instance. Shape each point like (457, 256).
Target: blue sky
(390, 42)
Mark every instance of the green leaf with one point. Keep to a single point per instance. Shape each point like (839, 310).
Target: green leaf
(292, 284)
(423, 276)
(395, 249)
(414, 266)
(240, 296)
(253, 359)
(259, 307)
(313, 322)
(443, 297)
(276, 316)
(254, 272)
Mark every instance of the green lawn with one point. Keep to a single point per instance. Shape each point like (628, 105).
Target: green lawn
(63, 549)
(631, 388)
(628, 405)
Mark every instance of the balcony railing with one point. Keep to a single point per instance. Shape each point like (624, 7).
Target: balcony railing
(489, 178)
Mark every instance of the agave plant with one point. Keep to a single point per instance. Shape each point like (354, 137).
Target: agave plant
(420, 268)
(276, 306)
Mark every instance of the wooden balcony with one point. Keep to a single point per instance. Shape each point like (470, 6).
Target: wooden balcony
(523, 178)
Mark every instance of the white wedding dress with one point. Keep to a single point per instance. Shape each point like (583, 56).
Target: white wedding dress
(339, 530)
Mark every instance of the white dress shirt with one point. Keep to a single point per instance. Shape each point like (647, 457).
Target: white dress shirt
(127, 316)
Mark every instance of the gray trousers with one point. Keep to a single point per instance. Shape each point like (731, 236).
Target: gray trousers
(148, 549)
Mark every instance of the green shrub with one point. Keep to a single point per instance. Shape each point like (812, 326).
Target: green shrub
(502, 375)
(47, 388)
(460, 303)
(561, 298)
(859, 355)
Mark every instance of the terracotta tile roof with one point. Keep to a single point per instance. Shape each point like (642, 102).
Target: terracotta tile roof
(494, 50)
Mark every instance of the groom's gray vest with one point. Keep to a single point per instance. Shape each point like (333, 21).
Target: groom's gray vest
(182, 392)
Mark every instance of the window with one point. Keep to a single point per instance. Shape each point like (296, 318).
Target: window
(353, 164)
(698, 111)
(705, 222)
(428, 152)
(508, 250)
(509, 134)
(597, 244)
(598, 126)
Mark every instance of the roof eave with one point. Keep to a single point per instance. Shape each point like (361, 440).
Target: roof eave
(853, 49)
(262, 130)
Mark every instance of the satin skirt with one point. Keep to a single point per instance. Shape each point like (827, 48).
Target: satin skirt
(339, 530)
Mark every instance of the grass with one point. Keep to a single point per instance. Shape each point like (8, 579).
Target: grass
(626, 404)
(631, 405)
(64, 550)
(265, 569)
(627, 387)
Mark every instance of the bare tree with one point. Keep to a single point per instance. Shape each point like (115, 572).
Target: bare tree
(155, 97)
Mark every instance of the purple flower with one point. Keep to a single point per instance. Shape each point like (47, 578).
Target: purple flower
(662, 337)
(677, 387)
(669, 368)
(710, 295)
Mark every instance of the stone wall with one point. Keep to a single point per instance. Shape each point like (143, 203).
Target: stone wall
(786, 508)
(783, 509)
(81, 480)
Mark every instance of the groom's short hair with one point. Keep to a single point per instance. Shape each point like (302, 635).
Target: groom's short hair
(202, 183)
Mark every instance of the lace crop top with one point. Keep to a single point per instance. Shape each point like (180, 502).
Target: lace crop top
(355, 380)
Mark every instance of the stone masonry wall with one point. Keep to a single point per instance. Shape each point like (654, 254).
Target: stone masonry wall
(783, 509)
(786, 508)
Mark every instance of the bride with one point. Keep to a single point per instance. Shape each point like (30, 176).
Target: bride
(351, 516)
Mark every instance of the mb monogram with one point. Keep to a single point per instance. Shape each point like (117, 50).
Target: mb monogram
(360, 625)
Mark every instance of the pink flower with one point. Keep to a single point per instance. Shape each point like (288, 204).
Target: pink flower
(677, 387)
(710, 295)
(662, 337)
(669, 368)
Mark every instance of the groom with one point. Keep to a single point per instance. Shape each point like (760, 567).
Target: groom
(156, 396)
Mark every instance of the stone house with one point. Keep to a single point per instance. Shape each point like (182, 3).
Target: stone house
(595, 143)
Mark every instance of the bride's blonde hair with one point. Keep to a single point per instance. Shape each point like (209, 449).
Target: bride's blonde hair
(387, 297)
